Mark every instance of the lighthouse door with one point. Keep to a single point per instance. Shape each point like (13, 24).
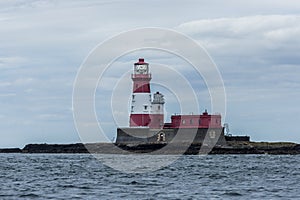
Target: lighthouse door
(161, 137)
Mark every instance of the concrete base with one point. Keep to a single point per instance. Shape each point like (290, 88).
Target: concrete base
(143, 135)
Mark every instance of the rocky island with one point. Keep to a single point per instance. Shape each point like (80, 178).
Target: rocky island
(232, 147)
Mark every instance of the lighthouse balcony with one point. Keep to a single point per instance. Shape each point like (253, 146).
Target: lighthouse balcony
(141, 76)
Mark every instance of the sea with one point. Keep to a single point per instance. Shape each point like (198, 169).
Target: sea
(84, 176)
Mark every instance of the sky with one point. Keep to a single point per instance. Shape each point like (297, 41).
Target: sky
(255, 45)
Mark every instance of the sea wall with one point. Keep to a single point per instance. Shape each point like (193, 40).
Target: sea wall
(184, 135)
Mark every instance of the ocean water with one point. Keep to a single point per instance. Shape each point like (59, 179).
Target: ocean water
(81, 176)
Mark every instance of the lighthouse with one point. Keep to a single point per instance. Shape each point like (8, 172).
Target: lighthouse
(147, 124)
(141, 95)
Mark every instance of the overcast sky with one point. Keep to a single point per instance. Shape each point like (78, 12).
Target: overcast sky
(255, 45)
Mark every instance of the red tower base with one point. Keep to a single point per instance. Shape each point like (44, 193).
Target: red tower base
(139, 120)
(154, 121)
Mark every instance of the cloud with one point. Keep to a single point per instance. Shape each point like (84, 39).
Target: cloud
(246, 35)
(12, 61)
(8, 95)
(5, 84)
(23, 81)
(251, 49)
(52, 117)
(239, 26)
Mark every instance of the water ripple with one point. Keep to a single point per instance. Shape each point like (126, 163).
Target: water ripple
(81, 176)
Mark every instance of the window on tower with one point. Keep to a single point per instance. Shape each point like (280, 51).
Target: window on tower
(145, 107)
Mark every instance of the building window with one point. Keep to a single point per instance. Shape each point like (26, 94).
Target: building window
(158, 107)
(145, 107)
(199, 121)
(133, 96)
(183, 121)
(191, 121)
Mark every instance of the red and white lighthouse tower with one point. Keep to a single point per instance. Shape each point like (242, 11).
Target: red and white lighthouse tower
(141, 96)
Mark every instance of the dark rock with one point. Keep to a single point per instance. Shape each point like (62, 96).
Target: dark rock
(161, 148)
(10, 150)
(55, 148)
